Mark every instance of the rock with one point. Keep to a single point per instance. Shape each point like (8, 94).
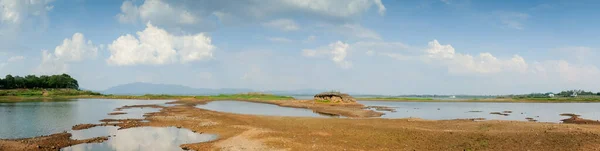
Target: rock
(334, 97)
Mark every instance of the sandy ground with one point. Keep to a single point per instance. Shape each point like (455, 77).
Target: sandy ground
(253, 132)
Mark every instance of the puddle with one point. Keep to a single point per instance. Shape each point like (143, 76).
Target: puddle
(241, 107)
(139, 138)
(134, 113)
(541, 112)
(97, 131)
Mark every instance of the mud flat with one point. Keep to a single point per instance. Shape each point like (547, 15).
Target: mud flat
(256, 132)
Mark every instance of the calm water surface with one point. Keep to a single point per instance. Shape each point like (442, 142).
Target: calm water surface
(30, 119)
(138, 139)
(241, 107)
(543, 112)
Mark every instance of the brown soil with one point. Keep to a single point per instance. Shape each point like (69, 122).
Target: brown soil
(531, 119)
(51, 142)
(117, 113)
(139, 106)
(578, 120)
(334, 109)
(253, 132)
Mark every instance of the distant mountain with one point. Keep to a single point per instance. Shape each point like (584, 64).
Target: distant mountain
(149, 88)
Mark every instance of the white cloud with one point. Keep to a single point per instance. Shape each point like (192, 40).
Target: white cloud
(337, 50)
(156, 46)
(458, 63)
(155, 11)
(15, 58)
(282, 24)
(279, 39)
(75, 49)
(17, 14)
(184, 14)
(17, 11)
(51, 64)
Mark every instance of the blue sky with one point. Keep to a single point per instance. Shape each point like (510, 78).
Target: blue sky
(364, 46)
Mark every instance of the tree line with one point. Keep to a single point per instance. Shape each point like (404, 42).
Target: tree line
(33, 81)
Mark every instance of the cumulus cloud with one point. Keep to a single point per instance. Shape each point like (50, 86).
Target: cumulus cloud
(181, 13)
(282, 24)
(337, 50)
(13, 13)
(75, 49)
(459, 63)
(550, 71)
(156, 11)
(157, 46)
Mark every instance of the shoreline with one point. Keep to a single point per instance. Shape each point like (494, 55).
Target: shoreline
(485, 100)
(257, 132)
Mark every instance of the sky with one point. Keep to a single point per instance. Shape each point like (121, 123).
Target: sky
(361, 46)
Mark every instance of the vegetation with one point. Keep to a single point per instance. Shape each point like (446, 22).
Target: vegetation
(45, 92)
(563, 95)
(41, 82)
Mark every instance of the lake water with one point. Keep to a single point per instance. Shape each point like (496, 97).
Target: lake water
(138, 139)
(242, 107)
(30, 119)
(543, 112)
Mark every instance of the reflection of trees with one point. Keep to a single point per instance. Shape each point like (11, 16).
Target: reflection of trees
(146, 138)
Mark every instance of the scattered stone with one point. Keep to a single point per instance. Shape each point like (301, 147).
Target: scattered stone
(381, 108)
(499, 113)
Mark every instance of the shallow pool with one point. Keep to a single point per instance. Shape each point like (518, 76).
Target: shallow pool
(30, 119)
(242, 107)
(138, 139)
(543, 112)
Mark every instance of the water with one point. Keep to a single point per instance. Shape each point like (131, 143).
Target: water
(543, 112)
(241, 107)
(140, 138)
(30, 119)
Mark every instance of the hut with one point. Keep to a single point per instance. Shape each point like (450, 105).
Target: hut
(335, 97)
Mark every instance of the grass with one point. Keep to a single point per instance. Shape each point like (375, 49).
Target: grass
(49, 92)
(30, 95)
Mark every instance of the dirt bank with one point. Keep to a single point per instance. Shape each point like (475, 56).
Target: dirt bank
(52, 142)
(334, 109)
(296, 133)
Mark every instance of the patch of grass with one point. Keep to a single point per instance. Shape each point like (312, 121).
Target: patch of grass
(323, 101)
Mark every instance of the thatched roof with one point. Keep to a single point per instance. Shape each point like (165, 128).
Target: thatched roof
(324, 94)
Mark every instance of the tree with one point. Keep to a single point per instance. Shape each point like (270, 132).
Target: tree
(44, 81)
